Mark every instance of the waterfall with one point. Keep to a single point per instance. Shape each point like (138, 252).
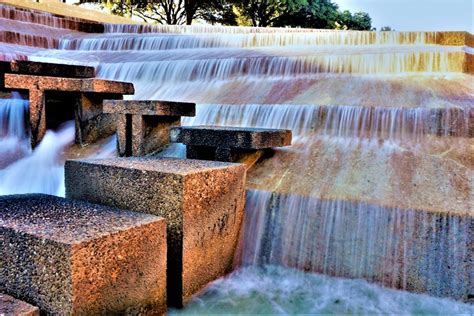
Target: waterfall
(378, 182)
(407, 249)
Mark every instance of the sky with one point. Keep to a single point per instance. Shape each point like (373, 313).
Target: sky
(416, 15)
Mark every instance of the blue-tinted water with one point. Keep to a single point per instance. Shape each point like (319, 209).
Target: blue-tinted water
(278, 290)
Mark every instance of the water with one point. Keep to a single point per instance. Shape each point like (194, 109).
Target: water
(381, 124)
(274, 290)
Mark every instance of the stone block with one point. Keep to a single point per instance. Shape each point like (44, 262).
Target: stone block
(144, 126)
(150, 107)
(51, 69)
(84, 95)
(10, 306)
(225, 143)
(72, 257)
(202, 202)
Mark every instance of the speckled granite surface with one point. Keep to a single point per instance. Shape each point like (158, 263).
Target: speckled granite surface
(74, 257)
(150, 107)
(50, 69)
(10, 306)
(202, 202)
(231, 137)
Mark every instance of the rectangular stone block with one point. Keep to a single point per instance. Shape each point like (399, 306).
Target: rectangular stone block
(84, 95)
(144, 126)
(29, 82)
(10, 306)
(139, 135)
(50, 69)
(72, 257)
(202, 202)
(231, 137)
(150, 107)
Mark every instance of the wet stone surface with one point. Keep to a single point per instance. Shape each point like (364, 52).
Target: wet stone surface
(51, 69)
(9, 306)
(75, 257)
(150, 107)
(226, 143)
(84, 95)
(202, 202)
(144, 126)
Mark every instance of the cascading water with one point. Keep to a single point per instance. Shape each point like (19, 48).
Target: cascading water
(378, 183)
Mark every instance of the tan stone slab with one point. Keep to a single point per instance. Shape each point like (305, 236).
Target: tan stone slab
(202, 201)
(76, 258)
(67, 10)
(91, 122)
(10, 306)
(150, 107)
(51, 69)
(28, 82)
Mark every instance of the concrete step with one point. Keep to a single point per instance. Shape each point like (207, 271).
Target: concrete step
(202, 201)
(10, 306)
(224, 143)
(150, 107)
(82, 99)
(72, 257)
(24, 67)
(144, 126)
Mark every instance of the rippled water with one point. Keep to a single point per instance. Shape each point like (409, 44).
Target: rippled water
(277, 290)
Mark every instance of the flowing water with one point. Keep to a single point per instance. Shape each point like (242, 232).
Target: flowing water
(377, 185)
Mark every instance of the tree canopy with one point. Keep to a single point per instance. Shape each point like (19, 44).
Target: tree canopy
(322, 14)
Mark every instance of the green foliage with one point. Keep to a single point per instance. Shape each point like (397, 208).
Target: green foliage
(322, 14)
(386, 28)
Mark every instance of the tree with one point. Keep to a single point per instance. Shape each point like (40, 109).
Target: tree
(386, 28)
(358, 21)
(265, 12)
(321, 14)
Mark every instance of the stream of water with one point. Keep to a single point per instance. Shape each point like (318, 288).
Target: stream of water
(382, 130)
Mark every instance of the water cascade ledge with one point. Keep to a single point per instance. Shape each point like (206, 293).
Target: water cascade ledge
(202, 202)
(414, 250)
(62, 255)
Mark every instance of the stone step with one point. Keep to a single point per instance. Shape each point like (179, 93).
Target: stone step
(25, 67)
(150, 107)
(224, 143)
(82, 99)
(72, 257)
(10, 306)
(202, 201)
(144, 126)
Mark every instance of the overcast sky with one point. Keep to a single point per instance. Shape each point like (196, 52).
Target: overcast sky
(416, 15)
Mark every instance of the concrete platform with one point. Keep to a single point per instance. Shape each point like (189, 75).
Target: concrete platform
(202, 201)
(144, 126)
(72, 257)
(224, 143)
(25, 67)
(82, 97)
(150, 107)
(10, 306)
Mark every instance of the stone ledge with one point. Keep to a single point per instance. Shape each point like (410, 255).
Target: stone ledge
(51, 69)
(231, 137)
(29, 82)
(73, 257)
(202, 202)
(10, 306)
(150, 107)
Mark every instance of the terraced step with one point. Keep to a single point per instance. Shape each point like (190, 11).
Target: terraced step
(225, 143)
(84, 102)
(72, 257)
(144, 126)
(24, 67)
(202, 201)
